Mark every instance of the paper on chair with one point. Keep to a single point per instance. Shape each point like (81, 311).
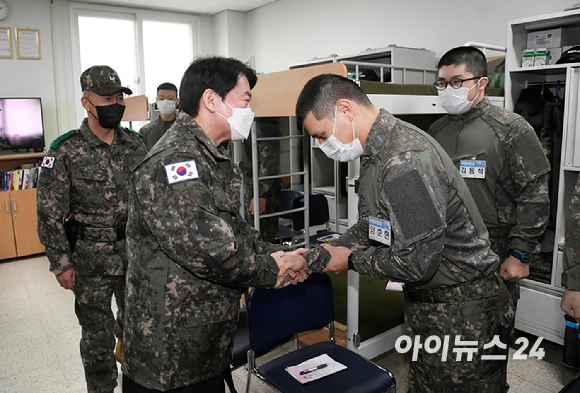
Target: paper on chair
(330, 366)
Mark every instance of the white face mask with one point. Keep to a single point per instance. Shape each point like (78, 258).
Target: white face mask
(455, 101)
(338, 151)
(240, 122)
(166, 107)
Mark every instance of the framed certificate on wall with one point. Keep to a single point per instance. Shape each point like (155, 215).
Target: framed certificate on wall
(5, 43)
(28, 44)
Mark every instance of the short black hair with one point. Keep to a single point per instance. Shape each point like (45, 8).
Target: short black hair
(167, 86)
(473, 58)
(321, 94)
(219, 74)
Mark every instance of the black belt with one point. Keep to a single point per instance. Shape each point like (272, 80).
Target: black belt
(102, 234)
(486, 287)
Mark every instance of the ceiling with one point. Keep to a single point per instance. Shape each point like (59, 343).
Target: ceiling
(209, 7)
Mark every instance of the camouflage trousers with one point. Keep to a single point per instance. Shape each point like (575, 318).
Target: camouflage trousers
(268, 226)
(479, 320)
(93, 297)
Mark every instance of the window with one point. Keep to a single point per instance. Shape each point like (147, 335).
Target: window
(110, 41)
(166, 55)
(146, 48)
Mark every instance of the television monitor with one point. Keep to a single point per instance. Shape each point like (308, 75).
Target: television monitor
(21, 124)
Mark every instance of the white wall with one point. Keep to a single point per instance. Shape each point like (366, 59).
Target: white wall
(31, 78)
(289, 32)
(236, 35)
(229, 34)
(220, 36)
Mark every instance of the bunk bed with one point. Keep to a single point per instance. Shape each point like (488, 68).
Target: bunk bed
(356, 297)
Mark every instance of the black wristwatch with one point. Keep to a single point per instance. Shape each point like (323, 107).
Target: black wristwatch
(350, 264)
(524, 257)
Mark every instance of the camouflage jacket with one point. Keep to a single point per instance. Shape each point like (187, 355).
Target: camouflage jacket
(514, 193)
(153, 131)
(88, 179)
(437, 235)
(571, 273)
(189, 253)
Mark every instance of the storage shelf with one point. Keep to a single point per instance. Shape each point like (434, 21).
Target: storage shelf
(535, 295)
(9, 162)
(545, 70)
(21, 156)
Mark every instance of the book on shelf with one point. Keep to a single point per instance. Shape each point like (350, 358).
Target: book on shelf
(19, 179)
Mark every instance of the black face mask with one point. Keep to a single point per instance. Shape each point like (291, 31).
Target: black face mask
(109, 115)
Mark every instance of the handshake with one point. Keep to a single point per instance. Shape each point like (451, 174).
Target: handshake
(292, 267)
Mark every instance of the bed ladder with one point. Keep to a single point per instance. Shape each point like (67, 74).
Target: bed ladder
(294, 139)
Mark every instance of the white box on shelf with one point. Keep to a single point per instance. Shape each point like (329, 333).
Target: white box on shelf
(540, 57)
(528, 58)
(553, 38)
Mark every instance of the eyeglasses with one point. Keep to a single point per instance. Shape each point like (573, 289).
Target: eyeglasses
(454, 83)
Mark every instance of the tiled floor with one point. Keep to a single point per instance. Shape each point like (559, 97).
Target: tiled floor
(39, 342)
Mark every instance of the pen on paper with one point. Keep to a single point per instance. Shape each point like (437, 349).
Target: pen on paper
(311, 369)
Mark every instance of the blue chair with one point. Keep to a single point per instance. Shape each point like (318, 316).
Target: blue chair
(287, 197)
(241, 340)
(240, 348)
(276, 315)
(318, 214)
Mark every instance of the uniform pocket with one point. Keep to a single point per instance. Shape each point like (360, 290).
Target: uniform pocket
(206, 313)
(223, 203)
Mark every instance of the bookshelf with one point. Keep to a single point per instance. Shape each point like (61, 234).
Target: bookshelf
(18, 230)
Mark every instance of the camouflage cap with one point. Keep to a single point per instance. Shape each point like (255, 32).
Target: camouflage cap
(102, 80)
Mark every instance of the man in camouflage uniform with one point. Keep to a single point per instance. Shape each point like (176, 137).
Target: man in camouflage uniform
(167, 102)
(418, 225)
(268, 165)
(500, 159)
(571, 274)
(190, 253)
(85, 182)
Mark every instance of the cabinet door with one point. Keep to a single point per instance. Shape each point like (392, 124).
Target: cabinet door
(7, 245)
(572, 121)
(24, 218)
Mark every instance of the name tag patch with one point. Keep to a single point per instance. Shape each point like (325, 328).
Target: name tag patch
(181, 171)
(48, 162)
(472, 169)
(380, 230)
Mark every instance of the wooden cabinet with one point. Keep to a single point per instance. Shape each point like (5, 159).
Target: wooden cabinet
(18, 234)
(7, 241)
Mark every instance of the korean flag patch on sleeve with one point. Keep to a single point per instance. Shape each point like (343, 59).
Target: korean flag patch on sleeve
(181, 171)
(48, 162)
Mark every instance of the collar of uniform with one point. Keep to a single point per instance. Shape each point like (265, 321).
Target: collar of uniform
(94, 140)
(378, 134)
(219, 153)
(168, 121)
(474, 112)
